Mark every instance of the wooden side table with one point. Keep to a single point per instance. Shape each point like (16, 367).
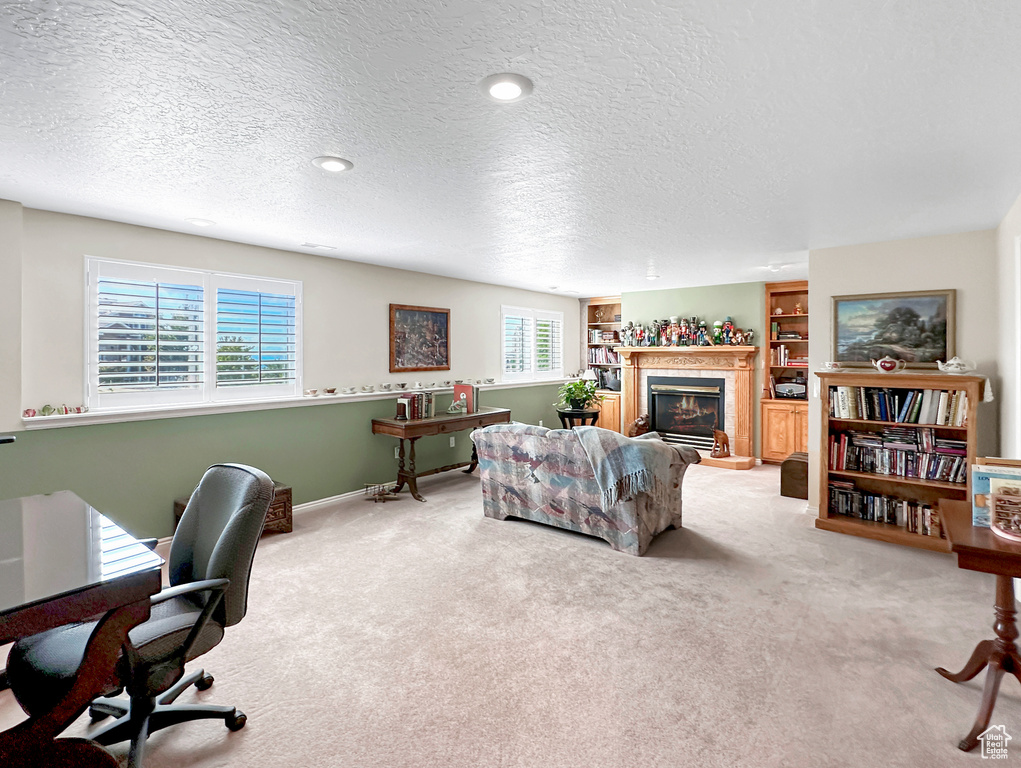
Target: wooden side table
(573, 417)
(979, 549)
(411, 430)
(279, 518)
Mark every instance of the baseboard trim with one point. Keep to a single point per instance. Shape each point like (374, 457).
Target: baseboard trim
(309, 506)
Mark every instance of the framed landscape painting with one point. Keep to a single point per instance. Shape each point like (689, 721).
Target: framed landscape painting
(419, 338)
(914, 326)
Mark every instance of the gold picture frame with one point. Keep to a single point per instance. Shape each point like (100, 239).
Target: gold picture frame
(918, 327)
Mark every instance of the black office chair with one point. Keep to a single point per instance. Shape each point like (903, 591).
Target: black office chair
(210, 561)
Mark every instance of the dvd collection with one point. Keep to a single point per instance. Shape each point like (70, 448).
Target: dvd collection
(912, 516)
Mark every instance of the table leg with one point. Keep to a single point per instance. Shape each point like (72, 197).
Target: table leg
(401, 474)
(474, 461)
(412, 477)
(1000, 655)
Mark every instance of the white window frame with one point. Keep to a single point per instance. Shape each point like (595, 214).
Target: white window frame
(207, 392)
(535, 315)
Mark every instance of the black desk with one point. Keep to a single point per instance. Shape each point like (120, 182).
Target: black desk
(61, 562)
(573, 417)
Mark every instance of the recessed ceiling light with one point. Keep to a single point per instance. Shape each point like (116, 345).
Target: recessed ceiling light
(319, 245)
(775, 267)
(574, 293)
(553, 287)
(652, 277)
(333, 164)
(506, 87)
(201, 222)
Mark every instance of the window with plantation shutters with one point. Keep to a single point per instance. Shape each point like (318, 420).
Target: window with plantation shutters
(162, 336)
(532, 344)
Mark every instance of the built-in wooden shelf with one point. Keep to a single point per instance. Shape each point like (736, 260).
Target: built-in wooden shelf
(871, 529)
(848, 473)
(866, 422)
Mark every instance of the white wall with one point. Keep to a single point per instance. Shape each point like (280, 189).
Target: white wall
(966, 261)
(346, 312)
(10, 315)
(1008, 245)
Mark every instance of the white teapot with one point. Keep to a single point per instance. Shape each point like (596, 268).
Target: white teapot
(955, 365)
(888, 365)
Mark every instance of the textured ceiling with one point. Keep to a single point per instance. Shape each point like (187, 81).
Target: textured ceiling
(700, 140)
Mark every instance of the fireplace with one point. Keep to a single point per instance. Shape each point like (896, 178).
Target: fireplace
(687, 410)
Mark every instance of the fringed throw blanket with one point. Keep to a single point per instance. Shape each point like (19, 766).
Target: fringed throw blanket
(625, 467)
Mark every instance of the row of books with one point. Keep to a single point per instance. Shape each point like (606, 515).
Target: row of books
(869, 452)
(907, 406)
(781, 355)
(775, 334)
(603, 356)
(922, 439)
(416, 405)
(912, 516)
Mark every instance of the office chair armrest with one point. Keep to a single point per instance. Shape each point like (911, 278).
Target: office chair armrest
(206, 585)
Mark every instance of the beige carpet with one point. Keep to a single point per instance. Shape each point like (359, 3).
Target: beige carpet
(411, 634)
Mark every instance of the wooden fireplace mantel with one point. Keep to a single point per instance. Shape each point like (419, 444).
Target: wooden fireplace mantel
(741, 360)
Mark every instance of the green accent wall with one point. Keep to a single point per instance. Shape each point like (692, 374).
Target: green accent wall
(745, 303)
(133, 471)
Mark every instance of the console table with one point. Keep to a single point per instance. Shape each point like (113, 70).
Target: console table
(411, 430)
(979, 549)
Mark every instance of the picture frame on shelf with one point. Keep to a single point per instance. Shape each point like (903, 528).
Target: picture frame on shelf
(419, 338)
(918, 327)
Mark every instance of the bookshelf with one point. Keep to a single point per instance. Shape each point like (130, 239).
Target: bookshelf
(785, 420)
(885, 453)
(602, 335)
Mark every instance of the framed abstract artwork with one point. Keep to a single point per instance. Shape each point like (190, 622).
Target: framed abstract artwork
(419, 338)
(914, 326)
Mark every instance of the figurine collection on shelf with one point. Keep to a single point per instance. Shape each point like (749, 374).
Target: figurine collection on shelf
(684, 332)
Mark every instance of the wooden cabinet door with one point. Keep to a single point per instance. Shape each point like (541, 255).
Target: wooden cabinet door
(777, 431)
(801, 428)
(609, 413)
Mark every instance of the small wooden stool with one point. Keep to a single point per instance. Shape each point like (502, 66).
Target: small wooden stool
(794, 476)
(278, 519)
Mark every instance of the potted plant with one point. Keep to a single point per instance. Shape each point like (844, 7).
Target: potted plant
(578, 395)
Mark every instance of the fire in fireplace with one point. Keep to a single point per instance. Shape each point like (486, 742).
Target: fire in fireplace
(686, 410)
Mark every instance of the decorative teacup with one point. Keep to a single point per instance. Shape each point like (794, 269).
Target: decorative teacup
(831, 365)
(417, 385)
(401, 385)
(955, 365)
(385, 386)
(889, 365)
(311, 392)
(490, 380)
(446, 382)
(330, 390)
(29, 413)
(348, 390)
(368, 388)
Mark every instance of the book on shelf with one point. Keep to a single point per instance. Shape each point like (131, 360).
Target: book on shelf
(603, 356)
(907, 406)
(899, 452)
(913, 516)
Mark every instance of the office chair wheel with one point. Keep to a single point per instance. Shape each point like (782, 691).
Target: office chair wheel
(204, 683)
(237, 722)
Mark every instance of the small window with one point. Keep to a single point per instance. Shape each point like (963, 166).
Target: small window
(162, 335)
(533, 346)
